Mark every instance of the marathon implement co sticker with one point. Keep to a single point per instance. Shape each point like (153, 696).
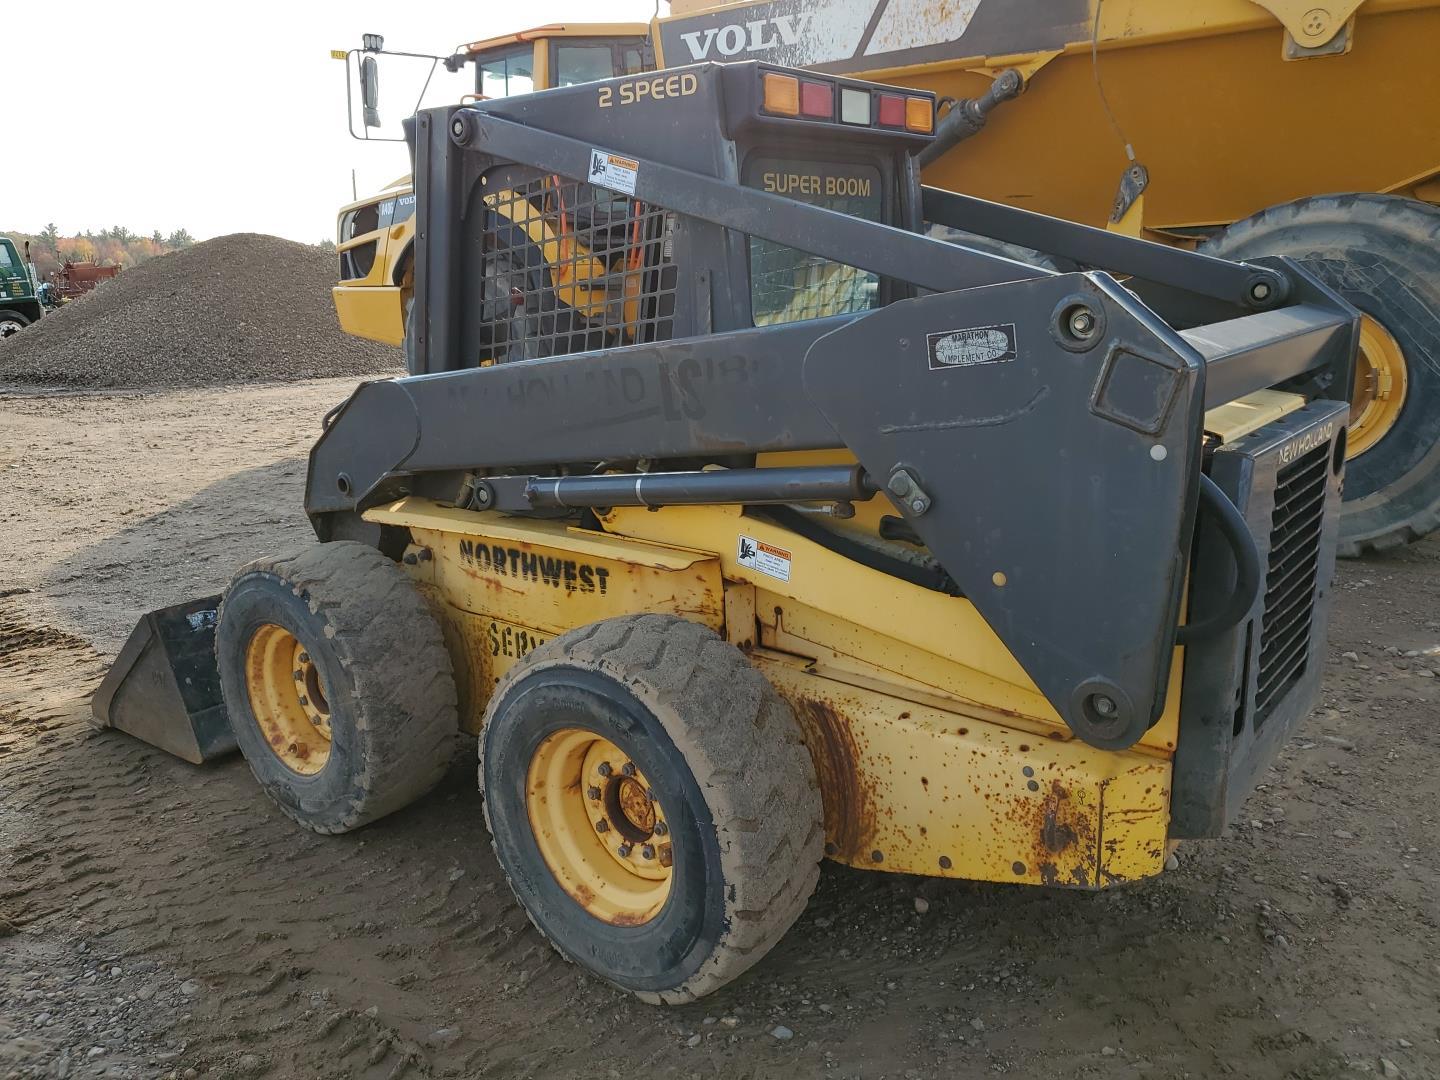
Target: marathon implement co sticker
(613, 171)
(766, 558)
(971, 346)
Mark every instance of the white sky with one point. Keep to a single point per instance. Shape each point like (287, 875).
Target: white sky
(217, 117)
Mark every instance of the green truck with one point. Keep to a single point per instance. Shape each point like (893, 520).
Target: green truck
(19, 299)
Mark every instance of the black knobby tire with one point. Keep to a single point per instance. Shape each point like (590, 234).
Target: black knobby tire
(725, 756)
(380, 654)
(7, 320)
(1382, 254)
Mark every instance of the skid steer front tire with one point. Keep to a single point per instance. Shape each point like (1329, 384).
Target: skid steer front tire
(651, 803)
(1381, 253)
(338, 685)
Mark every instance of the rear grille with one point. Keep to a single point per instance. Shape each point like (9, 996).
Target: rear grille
(1295, 524)
(569, 267)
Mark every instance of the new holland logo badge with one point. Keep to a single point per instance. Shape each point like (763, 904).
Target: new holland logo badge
(971, 346)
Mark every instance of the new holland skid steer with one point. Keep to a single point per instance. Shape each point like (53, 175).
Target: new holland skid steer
(746, 525)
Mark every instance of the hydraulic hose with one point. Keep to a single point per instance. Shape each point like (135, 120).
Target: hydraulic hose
(1233, 528)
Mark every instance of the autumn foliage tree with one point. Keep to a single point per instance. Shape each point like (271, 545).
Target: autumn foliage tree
(116, 246)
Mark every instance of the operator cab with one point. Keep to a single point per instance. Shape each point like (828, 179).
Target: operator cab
(375, 235)
(556, 55)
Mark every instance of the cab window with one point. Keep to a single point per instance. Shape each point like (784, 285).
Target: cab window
(506, 74)
(583, 63)
(7, 259)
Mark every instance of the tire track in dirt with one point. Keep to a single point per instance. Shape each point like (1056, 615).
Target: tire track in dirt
(113, 855)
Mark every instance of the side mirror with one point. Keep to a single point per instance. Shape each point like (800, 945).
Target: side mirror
(370, 91)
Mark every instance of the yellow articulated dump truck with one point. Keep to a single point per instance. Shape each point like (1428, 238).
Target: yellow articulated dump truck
(1239, 128)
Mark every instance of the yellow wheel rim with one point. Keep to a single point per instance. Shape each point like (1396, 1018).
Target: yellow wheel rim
(599, 827)
(288, 699)
(1380, 386)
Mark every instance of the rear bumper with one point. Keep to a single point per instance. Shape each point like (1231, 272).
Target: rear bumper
(371, 311)
(1246, 690)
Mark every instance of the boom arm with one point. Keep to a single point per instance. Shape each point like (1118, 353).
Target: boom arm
(1041, 432)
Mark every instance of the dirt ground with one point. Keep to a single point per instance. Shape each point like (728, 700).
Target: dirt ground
(158, 919)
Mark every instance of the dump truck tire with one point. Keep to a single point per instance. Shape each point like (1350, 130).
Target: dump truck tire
(11, 322)
(1381, 253)
(727, 784)
(342, 619)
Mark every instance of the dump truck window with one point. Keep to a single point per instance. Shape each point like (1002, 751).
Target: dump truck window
(508, 74)
(8, 261)
(583, 63)
(787, 285)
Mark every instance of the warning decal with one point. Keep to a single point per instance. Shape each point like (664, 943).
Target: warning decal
(766, 558)
(613, 171)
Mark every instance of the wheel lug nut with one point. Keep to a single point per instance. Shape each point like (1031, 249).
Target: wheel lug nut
(661, 828)
(648, 851)
(304, 700)
(624, 850)
(593, 794)
(299, 676)
(650, 794)
(304, 658)
(628, 768)
(604, 768)
(602, 825)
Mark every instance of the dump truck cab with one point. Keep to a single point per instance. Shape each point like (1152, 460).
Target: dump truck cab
(375, 235)
(19, 299)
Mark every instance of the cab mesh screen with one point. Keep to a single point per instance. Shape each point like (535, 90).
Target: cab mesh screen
(569, 267)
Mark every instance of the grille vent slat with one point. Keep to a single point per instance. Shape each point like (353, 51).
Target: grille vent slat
(1295, 526)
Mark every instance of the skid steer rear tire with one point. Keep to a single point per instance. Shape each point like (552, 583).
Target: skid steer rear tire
(380, 662)
(722, 756)
(1381, 253)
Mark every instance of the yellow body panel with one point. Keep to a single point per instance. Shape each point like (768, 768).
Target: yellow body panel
(921, 790)
(507, 588)
(936, 753)
(375, 312)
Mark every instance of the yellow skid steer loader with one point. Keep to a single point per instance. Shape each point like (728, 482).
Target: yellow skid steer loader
(745, 525)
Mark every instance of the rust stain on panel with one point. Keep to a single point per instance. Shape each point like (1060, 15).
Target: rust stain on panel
(849, 803)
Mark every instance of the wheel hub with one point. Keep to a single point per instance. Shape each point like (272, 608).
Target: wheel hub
(1381, 383)
(287, 696)
(599, 827)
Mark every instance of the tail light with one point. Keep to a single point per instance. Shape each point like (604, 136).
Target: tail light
(859, 105)
(817, 99)
(782, 94)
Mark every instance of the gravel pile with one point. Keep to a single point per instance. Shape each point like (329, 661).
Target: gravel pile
(237, 309)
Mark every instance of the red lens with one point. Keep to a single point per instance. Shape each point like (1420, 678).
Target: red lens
(817, 99)
(892, 110)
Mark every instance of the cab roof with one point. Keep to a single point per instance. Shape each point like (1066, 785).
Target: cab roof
(588, 30)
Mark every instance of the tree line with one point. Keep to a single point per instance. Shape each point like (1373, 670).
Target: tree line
(117, 246)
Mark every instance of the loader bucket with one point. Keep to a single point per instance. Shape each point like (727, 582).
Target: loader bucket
(164, 687)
